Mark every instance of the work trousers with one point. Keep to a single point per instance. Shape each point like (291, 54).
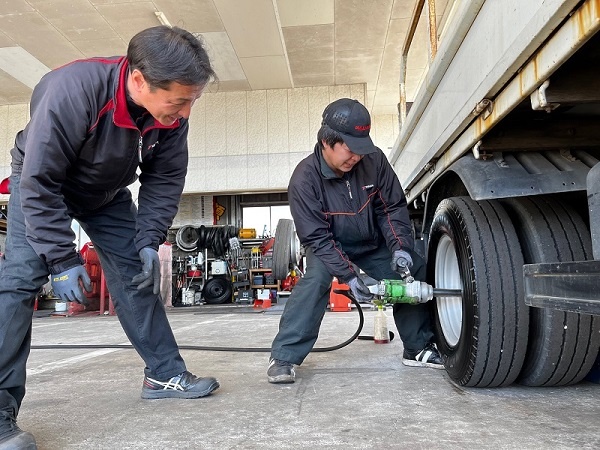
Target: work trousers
(112, 230)
(305, 308)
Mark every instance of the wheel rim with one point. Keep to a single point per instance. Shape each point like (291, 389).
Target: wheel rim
(447, 275)
(187, 238)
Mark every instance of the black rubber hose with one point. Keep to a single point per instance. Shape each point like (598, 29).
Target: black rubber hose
(216, 239)
(202, 236)
(222, 349)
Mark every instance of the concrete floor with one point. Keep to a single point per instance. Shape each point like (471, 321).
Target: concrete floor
(358, 397)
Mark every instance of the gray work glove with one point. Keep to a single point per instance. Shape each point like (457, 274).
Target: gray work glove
(150, 270)
(360, 290)
(401, 262)
(66, 284)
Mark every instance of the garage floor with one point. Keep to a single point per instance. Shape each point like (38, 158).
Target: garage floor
(358, 397)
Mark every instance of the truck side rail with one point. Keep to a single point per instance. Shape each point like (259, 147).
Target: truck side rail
(447, 128)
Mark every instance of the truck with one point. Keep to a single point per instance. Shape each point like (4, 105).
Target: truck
(498, 156)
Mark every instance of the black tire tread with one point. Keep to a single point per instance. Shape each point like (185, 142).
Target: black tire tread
(498, 336)
(282, 250)
(217, 291)
(562, 346)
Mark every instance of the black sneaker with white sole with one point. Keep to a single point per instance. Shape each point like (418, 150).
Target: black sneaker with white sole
(11, 436)
(184, 385)
(428, 357)
(280, 372)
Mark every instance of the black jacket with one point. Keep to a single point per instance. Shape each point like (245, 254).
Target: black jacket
(81, 147)
(340, 217)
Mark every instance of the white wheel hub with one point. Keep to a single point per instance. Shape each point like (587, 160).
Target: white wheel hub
(447, 276)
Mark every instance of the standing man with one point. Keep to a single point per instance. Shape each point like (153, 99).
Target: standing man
(348, 208)
(95, 124)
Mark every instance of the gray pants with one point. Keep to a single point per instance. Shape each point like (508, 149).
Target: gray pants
(305, 308)
(23, 273)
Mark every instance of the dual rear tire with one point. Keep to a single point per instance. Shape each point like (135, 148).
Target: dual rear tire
(483, 336)
(490, 337)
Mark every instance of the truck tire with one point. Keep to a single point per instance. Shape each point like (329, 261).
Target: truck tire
(483, 335)
(286, 249)
(217, 290)
(562, 346)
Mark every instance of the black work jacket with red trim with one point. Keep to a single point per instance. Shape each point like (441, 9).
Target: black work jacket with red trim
(338, 217)
(81, 147)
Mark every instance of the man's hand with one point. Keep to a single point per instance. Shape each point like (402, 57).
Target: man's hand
(360, 290)
(401, 262)
(150, 270)
(66, 284)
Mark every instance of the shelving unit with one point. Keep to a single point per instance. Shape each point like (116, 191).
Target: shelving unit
(263, 286)
(243, 265)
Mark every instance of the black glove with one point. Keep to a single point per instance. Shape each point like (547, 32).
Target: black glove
(150, 270)
(401, 262)
(360, 290)
(66, 284)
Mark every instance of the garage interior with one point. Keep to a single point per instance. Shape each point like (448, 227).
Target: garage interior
(279, 63)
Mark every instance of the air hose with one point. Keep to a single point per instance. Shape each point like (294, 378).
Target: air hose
(216, 239)
(361, 320)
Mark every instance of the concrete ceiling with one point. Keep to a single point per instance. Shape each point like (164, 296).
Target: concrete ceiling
(253, 44)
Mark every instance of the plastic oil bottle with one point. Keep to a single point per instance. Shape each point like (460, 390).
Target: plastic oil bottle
(381, 334)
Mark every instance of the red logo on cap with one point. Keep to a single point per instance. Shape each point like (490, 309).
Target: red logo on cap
(362, 127)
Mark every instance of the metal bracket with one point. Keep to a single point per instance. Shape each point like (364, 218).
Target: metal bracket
(539, 101)
(567, 286)
(484, 107)
(430, 166)
(478, 154)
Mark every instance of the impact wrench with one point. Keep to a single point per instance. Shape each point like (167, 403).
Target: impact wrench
(401, 291)
(411, 292)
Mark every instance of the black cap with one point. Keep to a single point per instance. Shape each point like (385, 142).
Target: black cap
(352, 120)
